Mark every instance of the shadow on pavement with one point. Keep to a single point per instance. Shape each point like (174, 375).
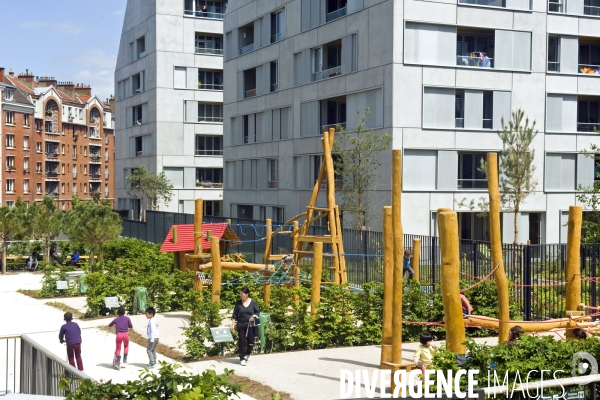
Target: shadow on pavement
(362, 364)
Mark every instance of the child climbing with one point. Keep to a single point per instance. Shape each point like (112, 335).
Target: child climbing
(407, 267)
(425, 351)
(122, 325)
(467, 309)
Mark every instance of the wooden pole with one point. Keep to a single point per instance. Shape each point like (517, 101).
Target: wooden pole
(267, 259)
(496, 247)
(315, 294)
(416, 257)
(217, 271)
(296, 268)
(198, 211)
(455, 324)
(388, 286)
(398, 254)
(573, 289)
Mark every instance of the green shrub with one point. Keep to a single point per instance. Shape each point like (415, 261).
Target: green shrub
(52, 274)
(169, 383)
(205, 314)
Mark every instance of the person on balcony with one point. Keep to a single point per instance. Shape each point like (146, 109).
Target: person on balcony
(74, 258)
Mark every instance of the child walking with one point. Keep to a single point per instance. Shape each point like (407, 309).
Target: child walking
(71, 333)
(152, 332)
(425, 352)
(122, 325)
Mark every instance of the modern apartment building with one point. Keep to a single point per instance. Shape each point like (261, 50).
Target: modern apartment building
(169, 85)
(437, 75)
(57, 140)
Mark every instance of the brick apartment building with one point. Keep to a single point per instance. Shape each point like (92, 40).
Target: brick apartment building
(56, 139)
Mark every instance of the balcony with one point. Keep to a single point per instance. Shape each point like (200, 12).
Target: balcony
(52, 174)
(204, 14)
(53, 193)
(587, 127)
(209, 185)
(274, 87)
(480, 60)
(327, 73)
(334, 126)
(276, 37)
(250, 93)
(472, 184)
(576, 7)
(95, 175)
(52, 154)
(208, 50)
(10, 168)
(209, 152)
(210, 86)
(95, 156)
(246, 49)
(333, 15)
(520, 4)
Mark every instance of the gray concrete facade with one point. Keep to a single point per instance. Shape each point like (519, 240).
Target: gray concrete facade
(438, 76)
(168, 81)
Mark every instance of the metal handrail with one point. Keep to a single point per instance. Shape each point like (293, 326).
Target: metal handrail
(250, 93)
(472, 61)
(210, 119)
(276, 37)
(274, 87)
(208, 50)
(327, 73)
(334, 126)
(204, 14)
(587, 126)
(340, 12)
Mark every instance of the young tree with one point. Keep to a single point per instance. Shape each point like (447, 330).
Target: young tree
(357, 161)
(517, 180)
(46, 222)
(94, 224)
(590, 199)
(13, 223)
(156, 188)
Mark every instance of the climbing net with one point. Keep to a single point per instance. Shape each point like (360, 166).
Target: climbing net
(283, 274)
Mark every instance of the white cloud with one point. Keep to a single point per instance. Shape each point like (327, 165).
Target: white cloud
(96, 59)
(32, 24)
(68, 28)
(118, 12)
(101, 81)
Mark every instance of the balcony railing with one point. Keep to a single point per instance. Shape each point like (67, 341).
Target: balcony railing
(208, 185)
(204, 14)
(485, 123)
(467, 184)
(250, 93)
(209, 50)
(273, 184)
(209, 152)
(210, 119)
(94, 156)
(334, 126)
(53, 193)
(274, 87)
(488, 3)
(460, 123)
(210, 86)
(577, 8)
(247, 48)
(327, 73)
(553, 66)
(51, 174)
(276, 37)
(475, 60)
(589, 69)
(336, 14)
(95, 175)
(52, 154)
(587, 127)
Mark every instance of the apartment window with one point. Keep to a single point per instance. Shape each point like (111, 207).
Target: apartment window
(10, 163)
(26, 163)
(38, 188)
(588, 117)
(74, 191)
(38, 147)
(210, 80)
(209, 113)
(105, 154)
(8, 94)
(94, 133)
(137, 115)
(141, 47)
(249, 83)
(137, 82)
(85, 188)
(273, 172)
(48, 126)
(74, 152)
(209, 145)
(10, 186)
(106, 172)
(474, 98)
(38, 126)
(589, 56)
(26, 120)
(26, 142)
(26, 185)
(63, 149)
(205, 9)
(10, 141)
(209, 177)
(85, 169)
(553, 54)
(277, 26)
(475, 49)
(274, 75)
(278, 214)
(10, 117)
(10, 203)
(62, 187)
(209, 44)
(38, 167)
(469, 174)
(246, 39)
(335, 9)
(213, 208)
(74, 170)
(560, 171)
(106, 189)
(62, 169)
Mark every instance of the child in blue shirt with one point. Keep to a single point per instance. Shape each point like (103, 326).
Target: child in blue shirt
(407, 257)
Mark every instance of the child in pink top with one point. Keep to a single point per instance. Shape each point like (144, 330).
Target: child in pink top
(122, 325)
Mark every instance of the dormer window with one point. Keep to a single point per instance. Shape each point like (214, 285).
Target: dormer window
(8, 94)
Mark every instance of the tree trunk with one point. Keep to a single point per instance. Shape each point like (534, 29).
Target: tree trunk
(91, 258)
(100, 254)
(516, 222)
(4, 257)
(47, 250)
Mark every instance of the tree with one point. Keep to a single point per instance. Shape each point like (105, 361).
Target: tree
(92, 223)
(46, 222)
(516, 169)
(156, 188)
(590, 199)
(357, 161)
(13, 223)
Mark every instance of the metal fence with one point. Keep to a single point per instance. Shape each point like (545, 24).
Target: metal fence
(536, 272)
(29, 368)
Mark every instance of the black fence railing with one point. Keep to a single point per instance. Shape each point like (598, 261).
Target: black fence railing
(536, 272)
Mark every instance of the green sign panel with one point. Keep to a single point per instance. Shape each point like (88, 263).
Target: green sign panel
(221, 334)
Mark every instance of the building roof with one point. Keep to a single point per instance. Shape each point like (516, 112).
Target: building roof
(185, 237)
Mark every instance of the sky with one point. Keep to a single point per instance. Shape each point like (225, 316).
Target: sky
(72, 40)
